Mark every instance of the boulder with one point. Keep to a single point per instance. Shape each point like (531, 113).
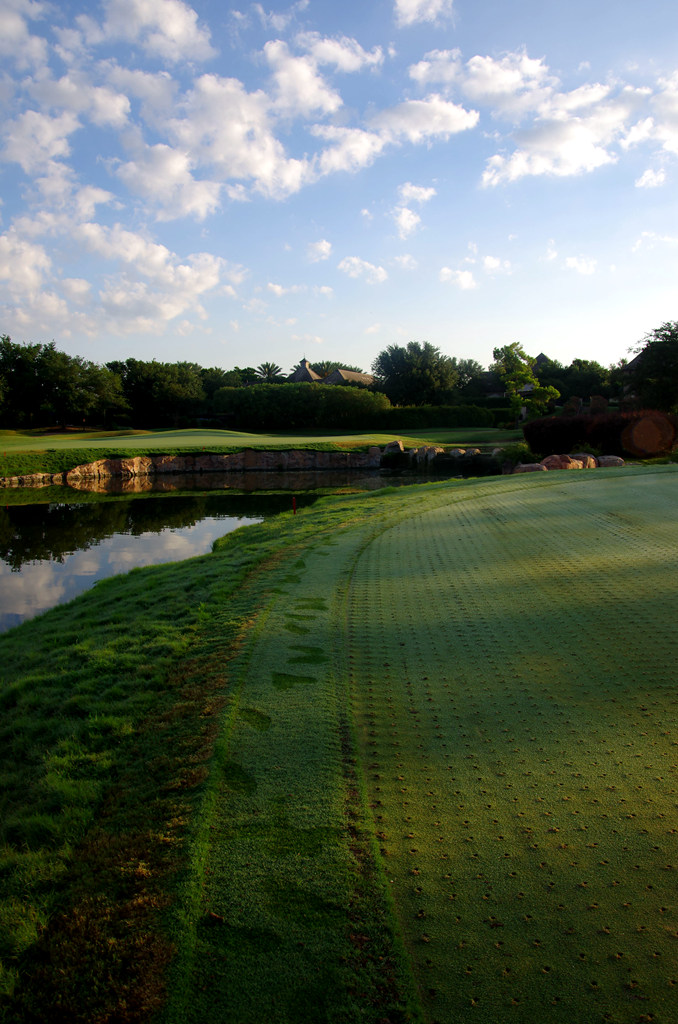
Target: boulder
(587, 460)
(394, 448)
(529, 467)
(426, 454)
(471, 452)
(561, 462)
(457, 452)
(610, 460)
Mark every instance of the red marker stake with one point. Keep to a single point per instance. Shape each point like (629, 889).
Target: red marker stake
(294, 506)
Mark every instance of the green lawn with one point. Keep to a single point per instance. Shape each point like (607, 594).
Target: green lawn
(16, 441)
(407, 756)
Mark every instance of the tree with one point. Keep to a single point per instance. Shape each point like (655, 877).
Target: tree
(19, 370)
(160, 394)
(470, 373)
(415, 375)
(652, 377)
(239, 377)
(516, 370)
(269, 372)
(326, 367)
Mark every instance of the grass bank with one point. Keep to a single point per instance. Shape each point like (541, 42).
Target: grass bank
(404, 756)
(38, 452)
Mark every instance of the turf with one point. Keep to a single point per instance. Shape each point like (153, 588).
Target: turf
(18, 441)
(435, 774)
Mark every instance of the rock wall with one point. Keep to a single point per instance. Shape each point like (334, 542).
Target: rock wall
(428, 459)
(142, 466)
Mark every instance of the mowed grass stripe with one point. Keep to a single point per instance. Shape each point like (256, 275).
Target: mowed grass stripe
(512, 683)
(291, 926)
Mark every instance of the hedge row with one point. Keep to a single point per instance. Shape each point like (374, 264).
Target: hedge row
(270, 407)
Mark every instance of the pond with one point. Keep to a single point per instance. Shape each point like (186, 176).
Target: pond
(52, 551)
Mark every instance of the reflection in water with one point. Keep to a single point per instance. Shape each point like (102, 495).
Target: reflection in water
(250, 481)
(51, 553)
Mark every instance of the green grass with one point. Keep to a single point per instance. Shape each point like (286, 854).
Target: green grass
(404, 756)
(33, 452)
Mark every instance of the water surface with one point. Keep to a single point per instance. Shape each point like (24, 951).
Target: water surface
(51, 553)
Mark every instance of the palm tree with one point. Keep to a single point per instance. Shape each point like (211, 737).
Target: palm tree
(269, 372)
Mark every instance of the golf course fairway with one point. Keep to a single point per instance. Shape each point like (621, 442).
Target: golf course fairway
(442, 780)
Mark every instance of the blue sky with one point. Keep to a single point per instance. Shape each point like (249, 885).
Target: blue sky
(236, 183)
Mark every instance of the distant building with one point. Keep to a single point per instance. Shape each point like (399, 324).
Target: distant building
(349, 377)
(303, 374)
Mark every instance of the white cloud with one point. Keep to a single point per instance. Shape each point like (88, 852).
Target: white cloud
(419, 120)
(16, 41)
(353, 148)
(74, 92)
(317, 251)
(511, 85)
(156, 90)
(324, 290)
(409, 12)
(639, 132)
(23, 264)
(314, 339)
(410, 193)
(649, 239)
(278, 289)
(163, 176)
(298, 87)
(344, 53)
(665, 105)
(439, 67)
(406, 262)
(406, 220)
(237, 193)
(224, 126)
(355, 267)
(493, 265)
(651, 178)
(279, 20)
(76, 288)
(464, 279)
(167, 29)
(34, 140)
(570, 133)
(151, 285)
(558, 148)
(582, 264)
(373, 329)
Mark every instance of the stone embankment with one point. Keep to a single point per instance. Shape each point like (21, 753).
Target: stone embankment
(88, 476)
(429, 459)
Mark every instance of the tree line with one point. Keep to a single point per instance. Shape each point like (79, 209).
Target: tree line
(41, 386)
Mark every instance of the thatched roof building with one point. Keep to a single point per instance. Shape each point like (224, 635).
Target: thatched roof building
(304, 374)
(349, 377)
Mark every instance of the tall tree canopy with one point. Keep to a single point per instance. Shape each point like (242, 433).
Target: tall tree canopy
(516, 370)
(159, 394)
(270, 372)
(653, 375)
(327, 366)
(43, 386)
(414, 375)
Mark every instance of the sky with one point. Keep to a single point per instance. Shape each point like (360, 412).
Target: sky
(234, 183)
